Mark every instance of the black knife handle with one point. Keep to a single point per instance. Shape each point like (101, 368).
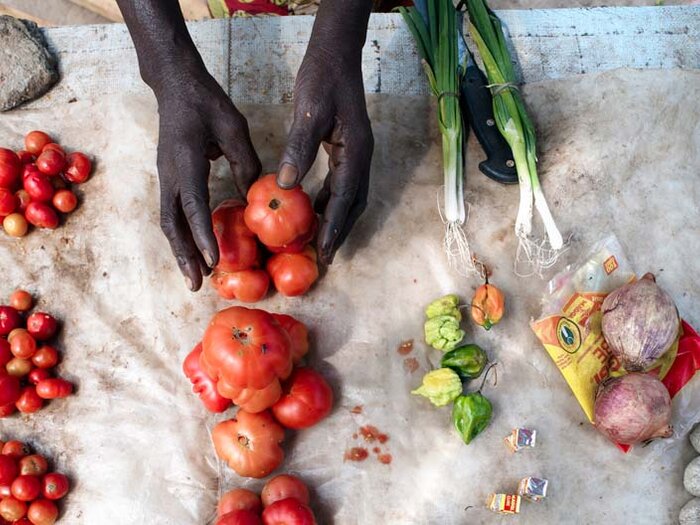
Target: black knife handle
(475, 98)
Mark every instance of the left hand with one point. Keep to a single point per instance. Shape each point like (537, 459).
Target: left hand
(329, 107)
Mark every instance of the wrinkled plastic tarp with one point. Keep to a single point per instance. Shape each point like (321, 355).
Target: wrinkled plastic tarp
(619, 152)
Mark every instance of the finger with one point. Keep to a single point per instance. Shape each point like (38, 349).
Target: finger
(308, 129)
(193, 168)
(345, 192)
(176, 230)
(236, 145)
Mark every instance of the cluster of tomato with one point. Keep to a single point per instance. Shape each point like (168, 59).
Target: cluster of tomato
(34, 183)
(28, 491)
(284, 500)
(276, 225)
(25, 358)
(247, 357)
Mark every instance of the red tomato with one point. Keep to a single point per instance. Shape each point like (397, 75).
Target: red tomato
(278, 217)
(54, 388)
(8, 202)
(41, 325)
(65, 201)
(298, 334)
(45, 357)
(33, 465)
(238, 248)
(293, 273)
(38, 374)
(55, 147)
(18, 367)
(282, 487)
(12, 509)
(9, 319)
(22, 344)
(307, 399)
(7, 410)
(15, 225)
(239, 499)
(29, 402)
(23, 198)
(50, 162)
(15, 449)
(8, 470)
(29, 169)
(41, 215)
(9, 389)
(56, 485)
(25, 157)
(42, 512)
(247, 348)
(202, 384)
(250, 443)
(78, 167)
(298, 244)
(288, 512)
(248, 286)
(21, 300)
(26, 488)
(5, 353)
(35, 141)
(251, 399)
(239, 517)
(10, 168)
(38, 187)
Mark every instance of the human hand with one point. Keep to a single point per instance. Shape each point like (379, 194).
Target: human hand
(329, 107)
(198, 123)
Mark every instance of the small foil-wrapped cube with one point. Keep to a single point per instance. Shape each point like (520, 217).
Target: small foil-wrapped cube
(521, 438)
(504, 503)
(534, 489)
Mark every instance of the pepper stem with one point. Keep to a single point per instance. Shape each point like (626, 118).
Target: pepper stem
(486, 375)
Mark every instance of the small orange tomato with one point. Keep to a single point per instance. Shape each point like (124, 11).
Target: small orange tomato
(293, 273)
(487, 305)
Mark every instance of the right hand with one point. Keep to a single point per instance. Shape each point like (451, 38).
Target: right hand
(198, 123)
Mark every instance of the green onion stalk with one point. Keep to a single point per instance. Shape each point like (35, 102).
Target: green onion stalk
(434, 28)
(517, 128)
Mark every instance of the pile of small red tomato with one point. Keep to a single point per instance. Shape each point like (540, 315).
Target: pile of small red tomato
(34, 183)
(248, 357)
(267, 238)
(28, 491)
(284, 501)
(26, 359)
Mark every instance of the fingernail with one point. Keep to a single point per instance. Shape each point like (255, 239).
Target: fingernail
(208, 258)
(287, 177)
(188, 283)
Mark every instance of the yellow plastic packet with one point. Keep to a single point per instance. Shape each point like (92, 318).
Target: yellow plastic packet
(570, 326)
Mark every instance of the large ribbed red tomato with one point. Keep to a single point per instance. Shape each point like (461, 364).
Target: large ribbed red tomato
(307, 399)
(293, 273)
(288, 511)
(247, 286)
(251, 399)
(249, 443)
(278, 217)
(247, 348)
(298, 333)
(238, 248)
(202, 384)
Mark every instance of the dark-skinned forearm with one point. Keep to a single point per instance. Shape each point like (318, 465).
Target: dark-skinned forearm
(163, 45)
(341, 27)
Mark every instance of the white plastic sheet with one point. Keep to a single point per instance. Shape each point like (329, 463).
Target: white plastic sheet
(619, 152)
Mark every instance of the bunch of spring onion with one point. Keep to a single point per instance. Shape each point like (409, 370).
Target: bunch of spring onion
(517, 128)
(434, 26)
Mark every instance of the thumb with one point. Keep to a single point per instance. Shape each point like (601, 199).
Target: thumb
(302, 146)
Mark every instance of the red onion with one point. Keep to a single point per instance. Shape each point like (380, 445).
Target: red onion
(633, 408)
(640, 323)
